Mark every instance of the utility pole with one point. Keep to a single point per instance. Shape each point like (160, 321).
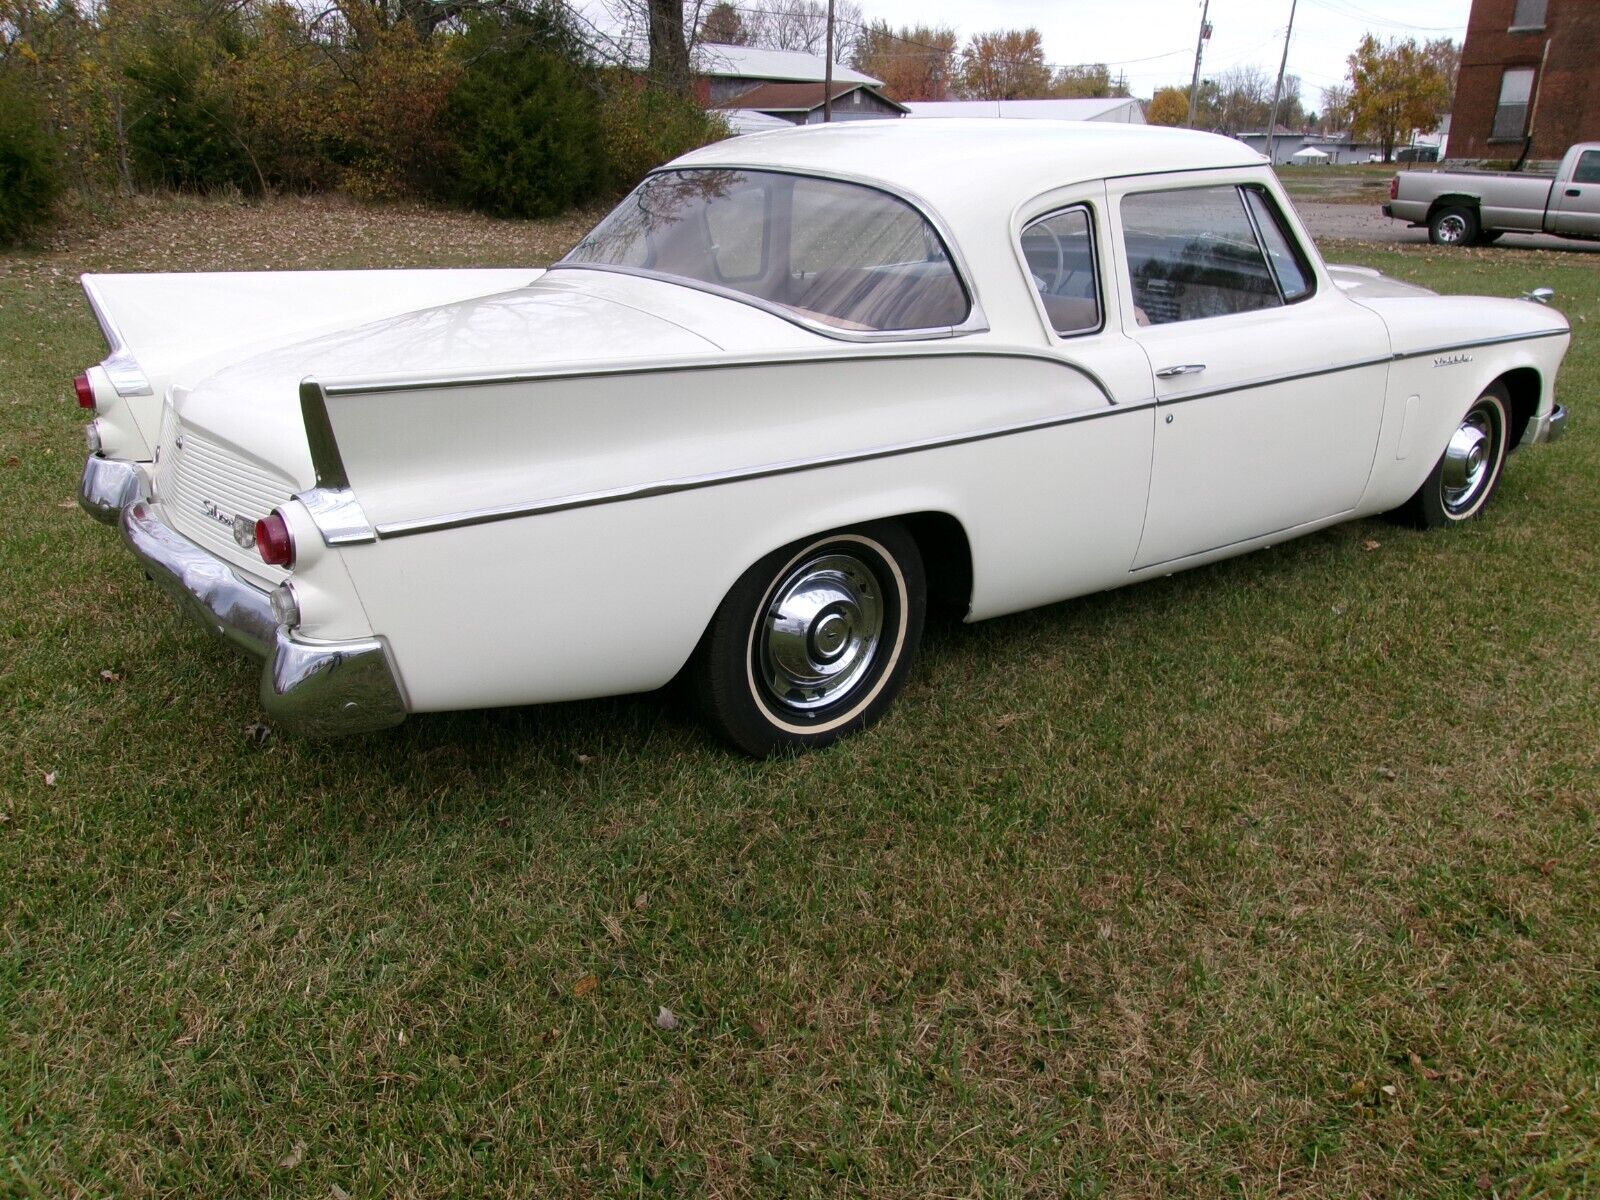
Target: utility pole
(1277, 93)
(827, 72)
(1199, 47)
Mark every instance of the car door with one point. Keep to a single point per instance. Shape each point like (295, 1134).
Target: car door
(1575, 205)
(1269, 382)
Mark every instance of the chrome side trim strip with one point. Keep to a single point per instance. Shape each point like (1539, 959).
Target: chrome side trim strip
(726, 362)
(1401, 356)
(1204, 393)
(691, 483)
(325, 457)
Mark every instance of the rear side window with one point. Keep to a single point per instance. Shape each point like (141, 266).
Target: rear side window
(1195, 253)
(1588, 169)
(1059, 250)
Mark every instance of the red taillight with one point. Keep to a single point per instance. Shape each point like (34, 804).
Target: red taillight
(85, 390)
(274, 542)
(1394, 188)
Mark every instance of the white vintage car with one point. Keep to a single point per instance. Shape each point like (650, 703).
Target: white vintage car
(795, 386)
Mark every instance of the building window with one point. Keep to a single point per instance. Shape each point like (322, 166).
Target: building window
(1511, 115)
(1529, 14)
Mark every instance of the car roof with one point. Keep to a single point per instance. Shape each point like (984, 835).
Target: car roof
(954, 161)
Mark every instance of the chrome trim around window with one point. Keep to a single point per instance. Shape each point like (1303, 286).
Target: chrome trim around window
(124, 372)
(976, 321)
(338, 516)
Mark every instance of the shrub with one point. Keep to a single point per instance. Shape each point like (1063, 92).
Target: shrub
(30, 165)
(645, 128)
(182, 131)
(525, 117)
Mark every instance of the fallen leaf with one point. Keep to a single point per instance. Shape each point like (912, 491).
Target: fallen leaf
(292, 1159)
(584, 986)
(109, 676)
(50, 780)
(666, 1019)
(641, 901)
(613, 926)
(1484, 1182)
(335, 1192)
(257, 733)
(1388, 773)
(67, 504)
(1389, 1089)
(1008, 720)
(1547, 866)
(583, 760)
(502, 822)
(1369, 544)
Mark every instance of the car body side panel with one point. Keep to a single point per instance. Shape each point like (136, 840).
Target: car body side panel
(613, 596)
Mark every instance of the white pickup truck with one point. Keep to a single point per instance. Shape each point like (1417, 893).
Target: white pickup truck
(1463, 208)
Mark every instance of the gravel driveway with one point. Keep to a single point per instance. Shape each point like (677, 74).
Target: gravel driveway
(1364, 223)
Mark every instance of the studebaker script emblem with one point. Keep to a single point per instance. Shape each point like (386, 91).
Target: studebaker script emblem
(1452, 360)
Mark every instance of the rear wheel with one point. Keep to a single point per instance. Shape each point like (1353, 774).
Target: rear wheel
(814, 642)
(1455, 225)
(1467, 473)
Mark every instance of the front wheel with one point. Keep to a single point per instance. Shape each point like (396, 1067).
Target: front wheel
(1467, 473)
(1453, 226)
(814, 641)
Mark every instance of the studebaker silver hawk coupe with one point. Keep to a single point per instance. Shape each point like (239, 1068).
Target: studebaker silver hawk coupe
(795, 385)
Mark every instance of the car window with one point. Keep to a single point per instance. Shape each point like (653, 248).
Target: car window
(1588, 169)
(1059, 251)
(840, 254)
(1284, 255)
(1193, 254)
(737, 223)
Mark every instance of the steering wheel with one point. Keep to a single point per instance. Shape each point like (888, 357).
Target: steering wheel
(1061, 273)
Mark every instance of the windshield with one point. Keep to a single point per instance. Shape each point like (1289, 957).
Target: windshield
(842, 254)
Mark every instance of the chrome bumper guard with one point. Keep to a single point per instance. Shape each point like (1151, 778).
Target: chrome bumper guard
(317, 689)
(108, 486)
(1548, 427)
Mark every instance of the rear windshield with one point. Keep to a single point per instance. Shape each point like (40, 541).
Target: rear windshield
(840, 254)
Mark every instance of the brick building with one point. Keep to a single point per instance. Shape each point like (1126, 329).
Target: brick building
(1527, 61)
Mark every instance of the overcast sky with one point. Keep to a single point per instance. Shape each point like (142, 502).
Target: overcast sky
(1153, 40)
(1244, 31)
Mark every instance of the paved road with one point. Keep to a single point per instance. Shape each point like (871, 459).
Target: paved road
(1362, 222)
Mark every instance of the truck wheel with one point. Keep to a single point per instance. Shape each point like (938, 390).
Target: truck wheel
(1453, 226)
(814, 641)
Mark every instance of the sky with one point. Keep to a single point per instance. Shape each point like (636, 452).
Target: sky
(1244, 31)
(1153, 41)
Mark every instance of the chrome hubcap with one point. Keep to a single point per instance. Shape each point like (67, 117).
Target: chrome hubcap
(820, 632)
(1452, 229)
(1466, 461)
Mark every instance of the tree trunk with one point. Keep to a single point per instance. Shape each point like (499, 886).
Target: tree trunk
(669, 53)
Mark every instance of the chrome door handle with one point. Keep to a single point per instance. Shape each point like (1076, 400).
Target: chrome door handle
(1186, 369)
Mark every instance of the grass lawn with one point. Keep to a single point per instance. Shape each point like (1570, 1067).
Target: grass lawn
(1276, 878)
(1347, 183)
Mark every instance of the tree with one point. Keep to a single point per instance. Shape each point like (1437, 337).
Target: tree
(1335, 108)
(1394, 88)
(669, 52)
(723, 26)
(1169, 106)
(1446, 55)
(1089, 80)
(1007, 64)
(915, 62)
(803, 25)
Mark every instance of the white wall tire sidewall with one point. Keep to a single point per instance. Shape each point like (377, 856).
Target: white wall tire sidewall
(1501, 449)
(883, 674)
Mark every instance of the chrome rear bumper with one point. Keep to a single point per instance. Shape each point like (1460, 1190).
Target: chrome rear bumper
(108, 486)
(317, 689)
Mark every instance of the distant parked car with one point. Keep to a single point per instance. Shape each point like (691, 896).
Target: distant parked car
(793, 387)
(1464, 208)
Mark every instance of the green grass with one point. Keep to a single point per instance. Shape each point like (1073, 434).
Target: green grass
(1347, 183)
(1276, 878)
